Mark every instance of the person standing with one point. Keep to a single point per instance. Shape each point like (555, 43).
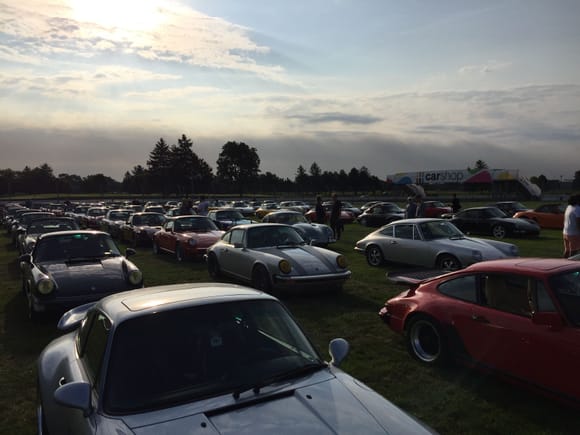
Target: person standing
(411, 209)
(571, 230)
(420, 207)
(320, 212)
(335, 222)
(203, 206)
(455, 204)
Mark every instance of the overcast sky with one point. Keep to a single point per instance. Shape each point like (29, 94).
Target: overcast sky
(89, 86)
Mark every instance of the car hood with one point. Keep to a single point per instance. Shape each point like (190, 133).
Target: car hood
(205, 237)
(323, 405)
(97, 276)
(305, 260)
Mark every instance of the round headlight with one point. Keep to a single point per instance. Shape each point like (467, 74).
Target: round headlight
(341, 261)
(285, 266)
(45, 286)
(135, 277)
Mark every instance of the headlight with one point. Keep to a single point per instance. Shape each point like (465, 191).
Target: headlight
(285, 266)
(135, 277)
(341, 261)
(192, 242)
(45, 286)
(476, 255)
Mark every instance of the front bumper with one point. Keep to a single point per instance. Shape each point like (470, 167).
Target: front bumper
(317, 281)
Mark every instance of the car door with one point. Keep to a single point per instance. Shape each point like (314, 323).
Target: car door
(405, 245)
(234, 255)
(165, 237)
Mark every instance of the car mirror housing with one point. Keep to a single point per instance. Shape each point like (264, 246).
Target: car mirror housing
(73, 317)
(74, 395)
(338, 349)
(548, 318)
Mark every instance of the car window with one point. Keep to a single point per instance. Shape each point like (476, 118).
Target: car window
(464, 288)
(95, 344)
(169, 225)
(237, 236)
(542, 298)
(508, 293)
(567, 289)
(404, 231)
(387, 231)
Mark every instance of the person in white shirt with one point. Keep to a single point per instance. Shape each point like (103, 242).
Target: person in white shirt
(571, 231)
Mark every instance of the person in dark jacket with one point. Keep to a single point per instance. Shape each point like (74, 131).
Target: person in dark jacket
(320, 212)
(335, 222)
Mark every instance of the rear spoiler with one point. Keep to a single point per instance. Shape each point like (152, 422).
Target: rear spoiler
(413, 278)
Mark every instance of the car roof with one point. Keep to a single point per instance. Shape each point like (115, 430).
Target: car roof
(174, 296)
(530, 265)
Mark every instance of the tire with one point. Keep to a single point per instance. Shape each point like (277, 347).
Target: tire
(156, 249)
(448, 262)
(178, 252)
(261, 280)
(425, 342)
(213, 267)
(499, 231)
(374, 256)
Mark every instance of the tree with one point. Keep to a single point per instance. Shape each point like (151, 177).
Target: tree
(576, 181)
(480, 164)
(238, 164)
(159, 166)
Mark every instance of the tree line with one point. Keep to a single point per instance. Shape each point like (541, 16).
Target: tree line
(176, 170)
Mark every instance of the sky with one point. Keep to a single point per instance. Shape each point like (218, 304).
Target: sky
(90, 86)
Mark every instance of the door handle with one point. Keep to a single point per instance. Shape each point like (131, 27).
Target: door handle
(62, 381)
(480, 319)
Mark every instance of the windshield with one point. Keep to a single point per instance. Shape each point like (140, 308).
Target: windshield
(194, 224)
(266, 236)
(72, 247)
(439, 230)
(119, 215)
(494, 212)
(48, 226)
(229, 215)
(202, 351)
(567, 290)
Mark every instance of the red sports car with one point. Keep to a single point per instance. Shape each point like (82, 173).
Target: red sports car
(186, 236)
(435, 209)
(519, 317)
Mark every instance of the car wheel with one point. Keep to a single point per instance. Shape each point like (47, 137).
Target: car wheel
(499, 231)
(260, 279)
(156, 249)
(213, 267)
(425, 341)
(178, 252)
(448, 262)
(374, 256)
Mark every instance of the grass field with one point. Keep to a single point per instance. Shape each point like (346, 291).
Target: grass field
(453, 400)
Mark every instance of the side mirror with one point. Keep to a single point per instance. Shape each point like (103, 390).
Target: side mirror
(338, 349)
(548, 318)
(74, 395)
(129, 252)
(25, 258)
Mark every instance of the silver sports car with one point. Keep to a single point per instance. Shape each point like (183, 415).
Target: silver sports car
(275, 256)
(201, 359)
(430, 243)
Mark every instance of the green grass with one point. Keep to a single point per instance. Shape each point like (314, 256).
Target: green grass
(454, 400)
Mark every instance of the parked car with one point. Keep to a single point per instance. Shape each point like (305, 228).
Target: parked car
(140, 227)
(186, 236)
(92, 218)
(20, 225)
(381, 214)
(266, 208)
(312, 233)
(346, 206)
(519, 317)
(435, 209)
(431, 243)
(545, 215)
(492, 221)
(295, 205)
(225, 218)
(27, 240)
(510, 207)
(243, 207)
(70, 268)
(346, 217)
(275, 256)
(201, 358)
(114, 220)
(154, 209)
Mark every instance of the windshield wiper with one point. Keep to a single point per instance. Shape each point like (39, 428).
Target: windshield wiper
(290, 374)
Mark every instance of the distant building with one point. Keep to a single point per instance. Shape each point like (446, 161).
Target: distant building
(500, 182)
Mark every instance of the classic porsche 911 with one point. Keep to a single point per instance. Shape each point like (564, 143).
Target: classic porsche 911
(225, 218)
(431, 243)
(494, 222)
(201, 359)
(519, 317)
(140, 227)
(114, 220)
(69, 268)
(275, 257)
(313, 233)
(186, 236)
(27, 239)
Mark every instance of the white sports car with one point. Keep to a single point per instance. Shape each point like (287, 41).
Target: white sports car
(275, 256)
(430, 243)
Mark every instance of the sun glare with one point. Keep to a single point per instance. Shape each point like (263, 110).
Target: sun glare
(132, 15)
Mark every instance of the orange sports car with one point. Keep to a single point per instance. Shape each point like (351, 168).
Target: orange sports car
(546, 215)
